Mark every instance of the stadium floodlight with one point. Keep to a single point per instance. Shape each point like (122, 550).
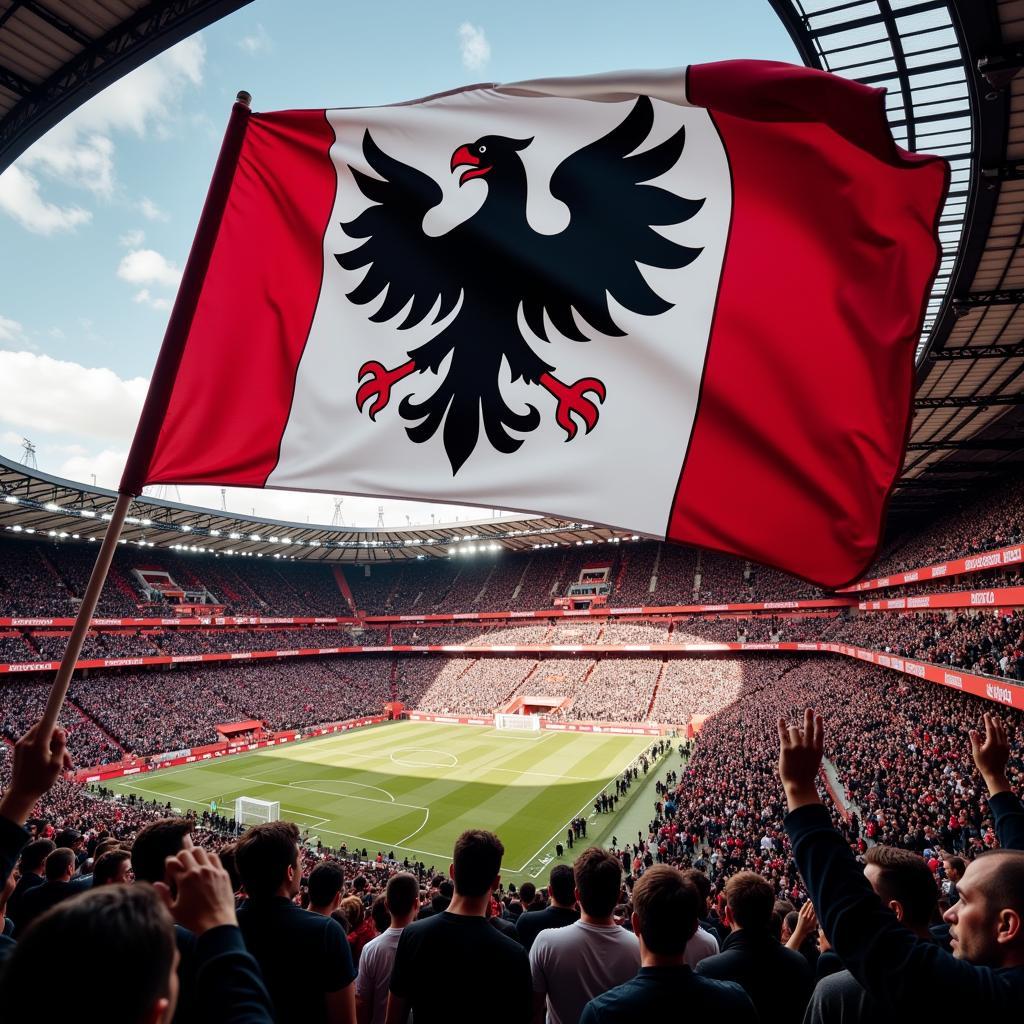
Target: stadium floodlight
(186, 528)
(11, 499)
(16, 528)
(213, 533)
(32, 529)
(250, 811)
(88, 513)
(235, 536)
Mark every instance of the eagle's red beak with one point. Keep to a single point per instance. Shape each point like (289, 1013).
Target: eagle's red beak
(463, 156)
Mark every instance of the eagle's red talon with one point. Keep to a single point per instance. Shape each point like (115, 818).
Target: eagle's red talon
(572, 399)
(380, 383)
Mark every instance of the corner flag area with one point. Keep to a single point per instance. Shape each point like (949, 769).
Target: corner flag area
(413, 787)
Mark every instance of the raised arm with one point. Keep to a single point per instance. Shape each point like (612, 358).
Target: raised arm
(901, 972)
(991, 755)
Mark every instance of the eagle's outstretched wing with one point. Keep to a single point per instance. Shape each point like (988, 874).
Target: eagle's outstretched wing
(410, 264)
(610, 231)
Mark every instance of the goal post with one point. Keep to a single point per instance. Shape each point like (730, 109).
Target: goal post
(522, 723)
(250, 811)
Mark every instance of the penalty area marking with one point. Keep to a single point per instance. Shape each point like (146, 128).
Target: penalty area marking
(424, 764)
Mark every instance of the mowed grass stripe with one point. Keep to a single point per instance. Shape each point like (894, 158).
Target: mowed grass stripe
(351, 787)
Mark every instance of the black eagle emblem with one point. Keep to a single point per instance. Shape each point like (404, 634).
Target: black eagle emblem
(499, 266)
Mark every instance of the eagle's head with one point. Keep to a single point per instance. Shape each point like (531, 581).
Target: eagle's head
(492, 153)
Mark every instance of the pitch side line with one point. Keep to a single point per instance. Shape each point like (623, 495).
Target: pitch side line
(565, 824)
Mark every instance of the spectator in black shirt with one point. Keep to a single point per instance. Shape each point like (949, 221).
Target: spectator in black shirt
(905, 885)
(907, 976)
(778, 980)
(59, 869)
(326, 881)
(454, 966)
(130, 926)
(31, 872)
(562, 912)
(305, 958)
(665, 908)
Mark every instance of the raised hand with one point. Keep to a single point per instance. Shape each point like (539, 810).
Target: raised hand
(800, 752)
(992, 753)
(38, 763)
(198, 891)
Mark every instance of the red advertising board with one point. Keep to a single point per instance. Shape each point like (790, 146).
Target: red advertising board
(996, 559)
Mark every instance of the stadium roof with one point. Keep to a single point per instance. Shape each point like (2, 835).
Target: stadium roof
(952, 71)
(951, 68)
(47, 506)
(55, 54)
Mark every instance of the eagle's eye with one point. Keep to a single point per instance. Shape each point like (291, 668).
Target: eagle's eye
(481, 149)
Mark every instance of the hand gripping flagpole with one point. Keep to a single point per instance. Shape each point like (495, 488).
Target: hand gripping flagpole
(158, 396)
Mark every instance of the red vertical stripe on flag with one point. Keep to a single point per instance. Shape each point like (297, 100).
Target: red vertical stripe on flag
(268, 257)
(807, 392)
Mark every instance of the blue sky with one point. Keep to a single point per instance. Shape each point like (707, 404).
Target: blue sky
(97, 218)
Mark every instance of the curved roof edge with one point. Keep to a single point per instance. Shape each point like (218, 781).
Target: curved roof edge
(73, 60)
(36, 503)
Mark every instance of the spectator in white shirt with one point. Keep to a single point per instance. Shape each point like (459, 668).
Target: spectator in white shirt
(572, 965)
(378, 957)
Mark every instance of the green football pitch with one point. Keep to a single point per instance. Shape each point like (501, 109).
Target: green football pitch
(412, 787)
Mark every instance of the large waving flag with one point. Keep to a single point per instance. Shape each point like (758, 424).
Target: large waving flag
(684, 303)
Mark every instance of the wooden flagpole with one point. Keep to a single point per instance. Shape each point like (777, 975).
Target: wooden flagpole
(146, 433)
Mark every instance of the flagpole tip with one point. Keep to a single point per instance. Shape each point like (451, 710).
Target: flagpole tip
(244, 97)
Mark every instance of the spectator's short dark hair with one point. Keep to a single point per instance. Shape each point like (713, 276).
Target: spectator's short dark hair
(477, 861)
(446, 889)
(402, 894)
(66, 838)
(598, 877)
(958, 864)
(325, 882)
(527, 891)
(562, 884)
(104, 846)
(667, 906)
(58, 862)
(905, 877)
(34, 855)
(155, 843)
(126, 925)
(700, 881)
(1007, 888)
(750, 900)
(226, 855)
(359, 883)
(380, 913)
(264, 854)
(107, 866)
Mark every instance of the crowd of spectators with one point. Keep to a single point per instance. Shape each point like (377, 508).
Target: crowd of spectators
(975, 641)
(731, 908)
(990, 520)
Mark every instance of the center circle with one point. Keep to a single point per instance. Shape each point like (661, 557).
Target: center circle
(411, 763)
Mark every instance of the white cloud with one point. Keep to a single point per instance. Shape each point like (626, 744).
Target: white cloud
(106, 465)
(475, 49)
(11, 330)
(132, 239)
(151, 211)
(39, 393)
(147, 266)
(80, 151)
(154, 302)
(21, 200)
(256, 42)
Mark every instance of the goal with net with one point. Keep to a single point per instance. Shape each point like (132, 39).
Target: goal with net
(250, 811)
(522, 723)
